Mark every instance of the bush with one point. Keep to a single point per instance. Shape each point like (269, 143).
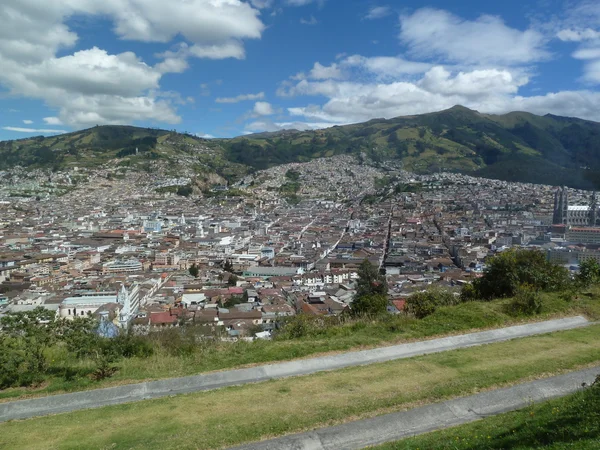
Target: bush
(423, 304)
(468, 293)
(526, 302)
(589, 273)
(515, 267)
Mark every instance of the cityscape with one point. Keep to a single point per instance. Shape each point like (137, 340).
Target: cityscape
(299, 225)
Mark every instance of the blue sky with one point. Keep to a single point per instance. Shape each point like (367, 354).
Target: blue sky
(229, 67)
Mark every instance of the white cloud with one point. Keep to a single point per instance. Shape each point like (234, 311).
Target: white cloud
(263, 109)
(439, 34)
(52, 121)
(241, 98)
(491, 90)
(269, 125)
(385, 66)
(310, 21)
(92, 86)
(28, 122)
(475, 83)
(205, 135)
(378, 12)
(32, 130)
(587, 53)
(262, 4)
(572, 35)
(303, 2)
(320, 72)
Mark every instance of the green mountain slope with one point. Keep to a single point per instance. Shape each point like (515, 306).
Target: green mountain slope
(122, 146)
(517, 146)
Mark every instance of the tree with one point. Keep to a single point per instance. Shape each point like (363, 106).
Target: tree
(510, 269)
(34, 330)
(228, 266)
(370, 281)
(371, 292)
(194, 270)
(232, 280)
(589, 272)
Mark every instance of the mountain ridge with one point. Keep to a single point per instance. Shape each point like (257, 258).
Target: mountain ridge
(516, 146)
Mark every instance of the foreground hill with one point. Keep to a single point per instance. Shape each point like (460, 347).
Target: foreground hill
(517, 146)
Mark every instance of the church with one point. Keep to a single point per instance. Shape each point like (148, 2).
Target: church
(574, 215)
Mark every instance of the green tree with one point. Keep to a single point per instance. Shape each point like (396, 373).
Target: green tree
(232, 280)
(371, 291)
(228, 266)
(589, 273)
(510, 269)
(194, 271)
(35, 331)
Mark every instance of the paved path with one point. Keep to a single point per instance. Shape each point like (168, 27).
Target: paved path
(53, 404)
(400, 425)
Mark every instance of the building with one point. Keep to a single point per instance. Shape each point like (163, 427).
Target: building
(578, 215)
(127, 301)
(267, 272)
(580, 235)
(122, 266)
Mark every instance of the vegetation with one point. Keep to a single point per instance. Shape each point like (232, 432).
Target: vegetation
(28, 338)
(193, 270)
(189, 350)
(566, 423)
(371, 291)
(423, 304)
(309, 401)
(515, 147)
(509, 270)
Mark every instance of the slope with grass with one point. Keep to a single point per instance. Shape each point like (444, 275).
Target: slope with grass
(572, 422)
(175, 357)
(240, 414)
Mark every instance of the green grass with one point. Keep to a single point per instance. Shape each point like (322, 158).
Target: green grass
(239, 414)
(572, 422)
(67, 375)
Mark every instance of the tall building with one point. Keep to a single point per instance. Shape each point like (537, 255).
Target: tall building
(593, 211)
(561, 207)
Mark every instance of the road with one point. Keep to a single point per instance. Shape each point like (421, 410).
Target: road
(54, 404)
(400, 425)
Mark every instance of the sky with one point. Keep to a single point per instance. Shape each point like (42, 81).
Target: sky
(224, 68)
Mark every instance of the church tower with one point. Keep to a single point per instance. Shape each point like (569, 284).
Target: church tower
(593, 211)
(561, 207)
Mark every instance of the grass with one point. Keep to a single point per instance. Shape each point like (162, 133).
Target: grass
(256, 411)
(572, 422)
(68, 375)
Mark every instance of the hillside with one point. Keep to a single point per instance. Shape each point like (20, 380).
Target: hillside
(517, 146)
(126, 147)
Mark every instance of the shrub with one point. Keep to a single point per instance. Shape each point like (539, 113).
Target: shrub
(468, 293)
(514, 267)
(589, 273)
(527, 301)
(423, 304)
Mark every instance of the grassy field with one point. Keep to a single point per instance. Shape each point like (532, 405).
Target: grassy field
(238, 414)
(571, 422)
(350, 335)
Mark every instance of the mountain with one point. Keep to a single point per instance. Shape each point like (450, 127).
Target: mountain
(126, 147)
(517, 146)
